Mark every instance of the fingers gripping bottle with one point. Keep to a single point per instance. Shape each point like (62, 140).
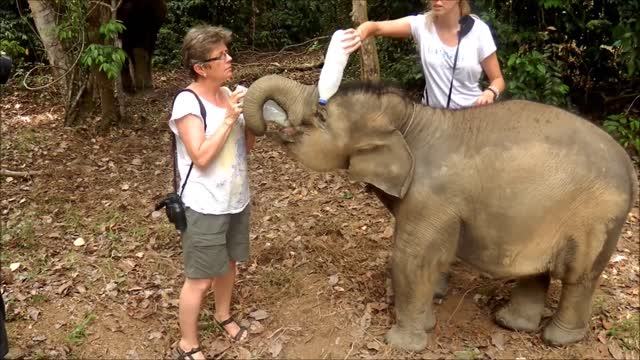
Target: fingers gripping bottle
(334, 62)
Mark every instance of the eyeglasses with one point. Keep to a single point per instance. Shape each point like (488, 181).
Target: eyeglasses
(222, 56)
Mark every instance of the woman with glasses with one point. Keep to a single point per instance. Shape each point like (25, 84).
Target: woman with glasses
(211, 160)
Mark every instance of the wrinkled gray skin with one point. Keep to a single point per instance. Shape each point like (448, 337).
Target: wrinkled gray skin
(516, 189)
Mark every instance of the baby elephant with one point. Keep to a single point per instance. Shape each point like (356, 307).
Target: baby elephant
(516, 189)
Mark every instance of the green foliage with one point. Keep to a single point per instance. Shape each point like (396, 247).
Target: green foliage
(590, 46)
(626, 129)
(550, 4)
(17, 40)
(627, 43)
(533, 76)
(111, 29)
(72, 22)
(399, 61)
(107, 58)
(627, 331)
(79, 332)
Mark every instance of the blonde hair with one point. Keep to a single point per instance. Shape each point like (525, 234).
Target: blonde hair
(465, 9)
(199, 42)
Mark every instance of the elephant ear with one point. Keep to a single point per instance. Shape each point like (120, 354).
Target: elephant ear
(385, 162)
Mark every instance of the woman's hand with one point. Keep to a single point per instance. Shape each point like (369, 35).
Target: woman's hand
(351, 40)
(234, 106)
(487, 97)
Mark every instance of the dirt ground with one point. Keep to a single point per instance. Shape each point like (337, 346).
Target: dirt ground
(90, 271)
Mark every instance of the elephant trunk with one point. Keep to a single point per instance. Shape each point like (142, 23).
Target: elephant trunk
(296, 99)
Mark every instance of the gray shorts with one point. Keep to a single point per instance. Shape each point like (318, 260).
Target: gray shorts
(211, 241)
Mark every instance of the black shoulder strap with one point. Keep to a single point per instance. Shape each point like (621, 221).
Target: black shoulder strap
(466, 24)
(174, 148)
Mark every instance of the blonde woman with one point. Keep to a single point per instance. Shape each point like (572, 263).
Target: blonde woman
(211, 159)
(436, 36)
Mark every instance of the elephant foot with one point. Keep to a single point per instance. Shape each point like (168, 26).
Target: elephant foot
(558, 334)
(518, 318)
(415, 340)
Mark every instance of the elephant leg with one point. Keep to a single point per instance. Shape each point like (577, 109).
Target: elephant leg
(148, 81)
(140, 68)
(420, 255)
(570, 322)
(127, 83)
(524, 310)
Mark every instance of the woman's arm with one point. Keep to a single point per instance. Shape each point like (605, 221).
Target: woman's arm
(398, 28)
(203, 150)
(491, 68)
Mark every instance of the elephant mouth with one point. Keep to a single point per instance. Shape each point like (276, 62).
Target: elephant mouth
(289, 134)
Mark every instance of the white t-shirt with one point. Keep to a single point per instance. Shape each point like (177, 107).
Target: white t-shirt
(437, 62)
(223, 188)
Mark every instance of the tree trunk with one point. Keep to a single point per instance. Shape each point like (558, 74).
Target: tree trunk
(103, 88)
(254, 15)
(369, 64)
(119, 90)
(45, 20)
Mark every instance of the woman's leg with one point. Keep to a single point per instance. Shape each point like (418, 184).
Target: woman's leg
(191, 296)
(223, 289)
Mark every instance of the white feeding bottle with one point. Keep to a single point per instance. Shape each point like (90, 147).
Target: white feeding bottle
(271, 111)
(334, 62)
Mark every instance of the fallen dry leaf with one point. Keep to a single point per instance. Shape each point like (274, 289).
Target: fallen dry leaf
(259, 315)
(615, 350)
(602, 336)
(243, 353)
(333, 279)
(373, 345)
(498, 340)
(275, 349)
(378, 306)
(62, 289)
(33, 313)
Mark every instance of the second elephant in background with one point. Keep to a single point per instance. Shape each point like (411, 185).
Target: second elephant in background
(142, 20)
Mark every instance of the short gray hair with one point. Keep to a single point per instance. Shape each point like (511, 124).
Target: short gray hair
(199, 42)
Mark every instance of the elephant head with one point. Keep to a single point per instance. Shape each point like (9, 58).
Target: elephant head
(357, 130)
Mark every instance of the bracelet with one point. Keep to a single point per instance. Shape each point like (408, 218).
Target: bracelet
(228, 123)
(495, 92)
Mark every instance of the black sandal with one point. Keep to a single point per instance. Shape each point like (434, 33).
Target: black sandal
(238, 337)
(186, 355)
